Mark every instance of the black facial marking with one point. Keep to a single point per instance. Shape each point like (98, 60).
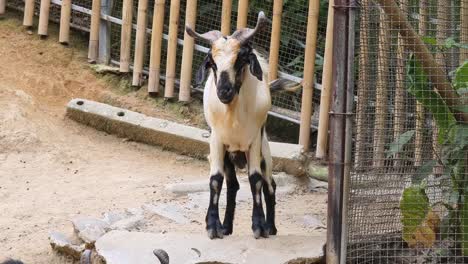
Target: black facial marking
(224, 88)
(207, 63)
(246, 57)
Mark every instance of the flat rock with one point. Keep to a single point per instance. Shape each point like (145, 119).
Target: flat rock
(183, 188)
(90, 229)
(63, 244)
(129, 223)
(170, 211)
(113, 216)
(122, 247)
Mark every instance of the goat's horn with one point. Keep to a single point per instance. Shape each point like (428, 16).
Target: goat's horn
(209, 36)
(245, 34)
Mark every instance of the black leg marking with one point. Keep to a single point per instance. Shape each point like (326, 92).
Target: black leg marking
(232, 188)
(213, 224)
(270, 202)
(258, 216)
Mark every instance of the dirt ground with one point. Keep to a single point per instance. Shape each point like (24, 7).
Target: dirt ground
(53, 169)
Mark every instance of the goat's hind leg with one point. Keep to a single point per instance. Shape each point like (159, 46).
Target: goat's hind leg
(269, 186)
(232, 187)
(213, 224)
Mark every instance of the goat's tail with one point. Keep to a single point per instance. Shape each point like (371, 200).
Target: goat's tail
(282, 84)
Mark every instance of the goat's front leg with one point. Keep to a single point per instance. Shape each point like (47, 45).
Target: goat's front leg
(213, 223)
(259, 227)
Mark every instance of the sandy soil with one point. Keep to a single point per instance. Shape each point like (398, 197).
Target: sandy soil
(53, 169)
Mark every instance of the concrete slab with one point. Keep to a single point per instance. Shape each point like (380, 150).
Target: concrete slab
(173, 136)
(122, 247)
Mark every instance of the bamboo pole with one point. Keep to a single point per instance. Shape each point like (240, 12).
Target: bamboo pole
(242, 12)
(463, 29)
(363, 86)
(126, 35)
(325, 96)
(65, 12)
(156, 42)
(418, 137)
(28, 19)
(381, 91)
(187, 53)
(399, 117)
(275, 39)
(140, 43)
(442, 29)
(44, 18)
(226, 17)
(93, 48)
(308, 82)
(171, 49)
(414, 44)
(2, 7)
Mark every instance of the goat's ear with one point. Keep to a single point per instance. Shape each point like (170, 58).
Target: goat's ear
(255, 68)
(202, 71)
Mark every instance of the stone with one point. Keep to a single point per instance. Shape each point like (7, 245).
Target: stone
(62, 244)
(317, 186)
(170, 211)
(122, 247)
(312, 222)
(90, 229)
(318, 172)
(184, 188)
(112, 217)
(129, 223)
(102, 68)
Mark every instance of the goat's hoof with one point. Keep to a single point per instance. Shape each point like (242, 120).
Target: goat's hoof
(215, 230)
(271, 229)
(261, 231)
(227, 231)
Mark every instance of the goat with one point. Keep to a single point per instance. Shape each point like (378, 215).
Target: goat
(236, 102)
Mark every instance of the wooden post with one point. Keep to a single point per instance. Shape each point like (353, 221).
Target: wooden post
(463, 29)
(418, 137)
(308, 82)
(275, 39)
(399, 116)
(171, 49)
(28, 19)
(93, 48)
(381, 92)
(242, 12)
(156, 41)
(104, 52)
(2, 7)
(187, 53)
(65, 11)
(126, 36)
(325, 96)
(43, 18)
(140, 43)
(226, 17)
(363, 86)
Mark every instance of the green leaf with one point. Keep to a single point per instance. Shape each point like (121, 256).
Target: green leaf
(429, 40)
(397, 145)
(414, 206)
(421, 89)
(460, 80)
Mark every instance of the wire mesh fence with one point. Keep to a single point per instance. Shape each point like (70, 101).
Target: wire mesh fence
(209, 12)
(406, 196)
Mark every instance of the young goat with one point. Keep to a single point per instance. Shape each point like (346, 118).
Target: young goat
(236, 102)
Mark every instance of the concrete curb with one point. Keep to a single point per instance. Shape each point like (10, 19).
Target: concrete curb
(176, 137)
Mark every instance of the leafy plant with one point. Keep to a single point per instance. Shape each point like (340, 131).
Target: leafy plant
(419, 223)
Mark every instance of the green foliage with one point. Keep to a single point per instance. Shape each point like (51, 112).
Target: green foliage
(452, 157)
(421, 89)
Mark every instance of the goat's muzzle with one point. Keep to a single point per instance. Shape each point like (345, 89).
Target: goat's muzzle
(225, 89)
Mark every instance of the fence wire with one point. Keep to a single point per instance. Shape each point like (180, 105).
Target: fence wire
(407, 187)
(292, 47)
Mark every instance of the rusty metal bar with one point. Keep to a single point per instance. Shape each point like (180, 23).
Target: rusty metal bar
(337, 133)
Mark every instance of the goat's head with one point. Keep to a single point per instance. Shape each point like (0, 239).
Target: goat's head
(228, 59)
